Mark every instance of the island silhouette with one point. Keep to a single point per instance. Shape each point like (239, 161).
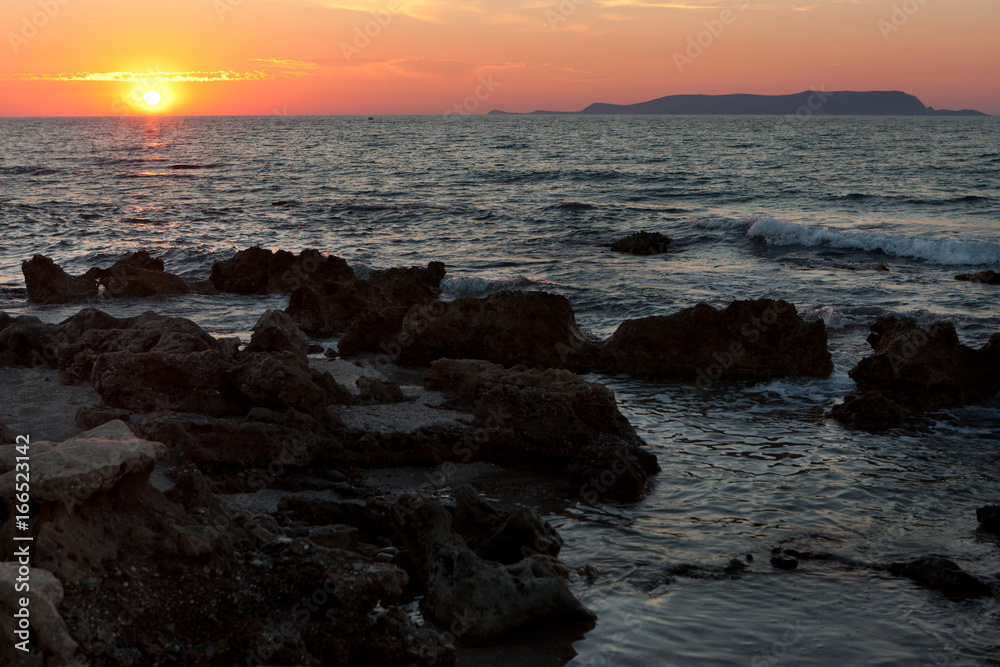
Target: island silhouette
(809, 102)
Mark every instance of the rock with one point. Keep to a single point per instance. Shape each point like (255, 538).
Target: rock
(504, 537)
(377, 392)
(918, 369)
(882, 267)
(276, 332)
(986, 277)
(944, 575)
(48, 283)
(372, 526)
(642, 243)
(375, 331)
(784, 562)
(507, 328)
(327, 311)
(989, 518)
(259, 271)
(27, 341)
(550, 419)
(871, 411)
(91, 462)
(192, 490)
(50, 641)
(748, 340)
(396, 641)
(339, 536)
(331, 308)
(5, 434)
(140, 275)
(494, 599)
(284, 380)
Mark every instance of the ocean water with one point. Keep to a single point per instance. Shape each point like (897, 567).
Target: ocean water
(803, 209)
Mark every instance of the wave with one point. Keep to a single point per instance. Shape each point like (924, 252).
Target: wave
(935, 250)
(26, 170)
(455, 287)
(726, 223)
(569, 205)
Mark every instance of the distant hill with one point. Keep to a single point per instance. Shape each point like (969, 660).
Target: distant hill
(839, 103)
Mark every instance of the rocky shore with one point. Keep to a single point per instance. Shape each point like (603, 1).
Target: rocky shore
(209, 504)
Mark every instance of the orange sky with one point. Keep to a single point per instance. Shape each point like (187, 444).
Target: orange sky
(97, 57)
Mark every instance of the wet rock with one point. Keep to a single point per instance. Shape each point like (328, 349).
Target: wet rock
(551, 419)
(642, 243)
(495, 599)
(139, 275)
(507, 328)
(259, 271)
(50, 642)
(48, 283)
(944, 575)
(986, 277)
(276, 332)
(504, 537)
(918, 369)
(784, 562)
(754, 340)
(989, 518)
(409, 286)
(27, 341)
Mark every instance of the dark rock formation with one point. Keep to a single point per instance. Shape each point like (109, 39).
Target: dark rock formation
(507, 328)
(494, 598)
(748, 340)
(989, 518)
(259, 271)
(5, 434)
(944, 575)
(917, 369)
(27, 341)
(986, 277)
(332, 307)
(139, 275)
(504, 537)
(551, 419)
(642, 243)
(276, 332)
(48, 283)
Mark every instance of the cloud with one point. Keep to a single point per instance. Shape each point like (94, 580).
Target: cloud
(164, 77)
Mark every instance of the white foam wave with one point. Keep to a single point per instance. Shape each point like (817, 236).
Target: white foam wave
(936, 250)
(472, 286)
(726, 223)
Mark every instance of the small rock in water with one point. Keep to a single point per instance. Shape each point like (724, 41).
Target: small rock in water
(784, 562)
(989, 518)
(642, 243)
(986, 277)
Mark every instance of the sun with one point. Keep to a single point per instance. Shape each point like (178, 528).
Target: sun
(152, 98)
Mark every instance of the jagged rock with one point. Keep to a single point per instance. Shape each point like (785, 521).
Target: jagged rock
(917, 369)
(494, 599)
(276, 332)
(986, 277)
(48, 283)
(375, 331)
(396, 641)
(989, 518)
(548, 418)
(27, 341)
(507, 328)
(332, 307)
(139, 275)
(91, 462)
(259, 271)
(642, 243)
(91, 332)
(284, 380)
(50, 642)
(329, 310)
(373, 391)
(944, 575)
(504, 537)
(755, 340)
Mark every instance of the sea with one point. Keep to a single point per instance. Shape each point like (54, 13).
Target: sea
(806, 209)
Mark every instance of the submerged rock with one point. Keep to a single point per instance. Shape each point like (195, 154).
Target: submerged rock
(748, 340)
(989, 518)
(259, 271)
(986, 277)
(918, 369)
(944, 575)
(642, 243)
(48, 283)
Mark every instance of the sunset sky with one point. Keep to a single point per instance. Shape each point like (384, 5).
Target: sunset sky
(98, 57)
